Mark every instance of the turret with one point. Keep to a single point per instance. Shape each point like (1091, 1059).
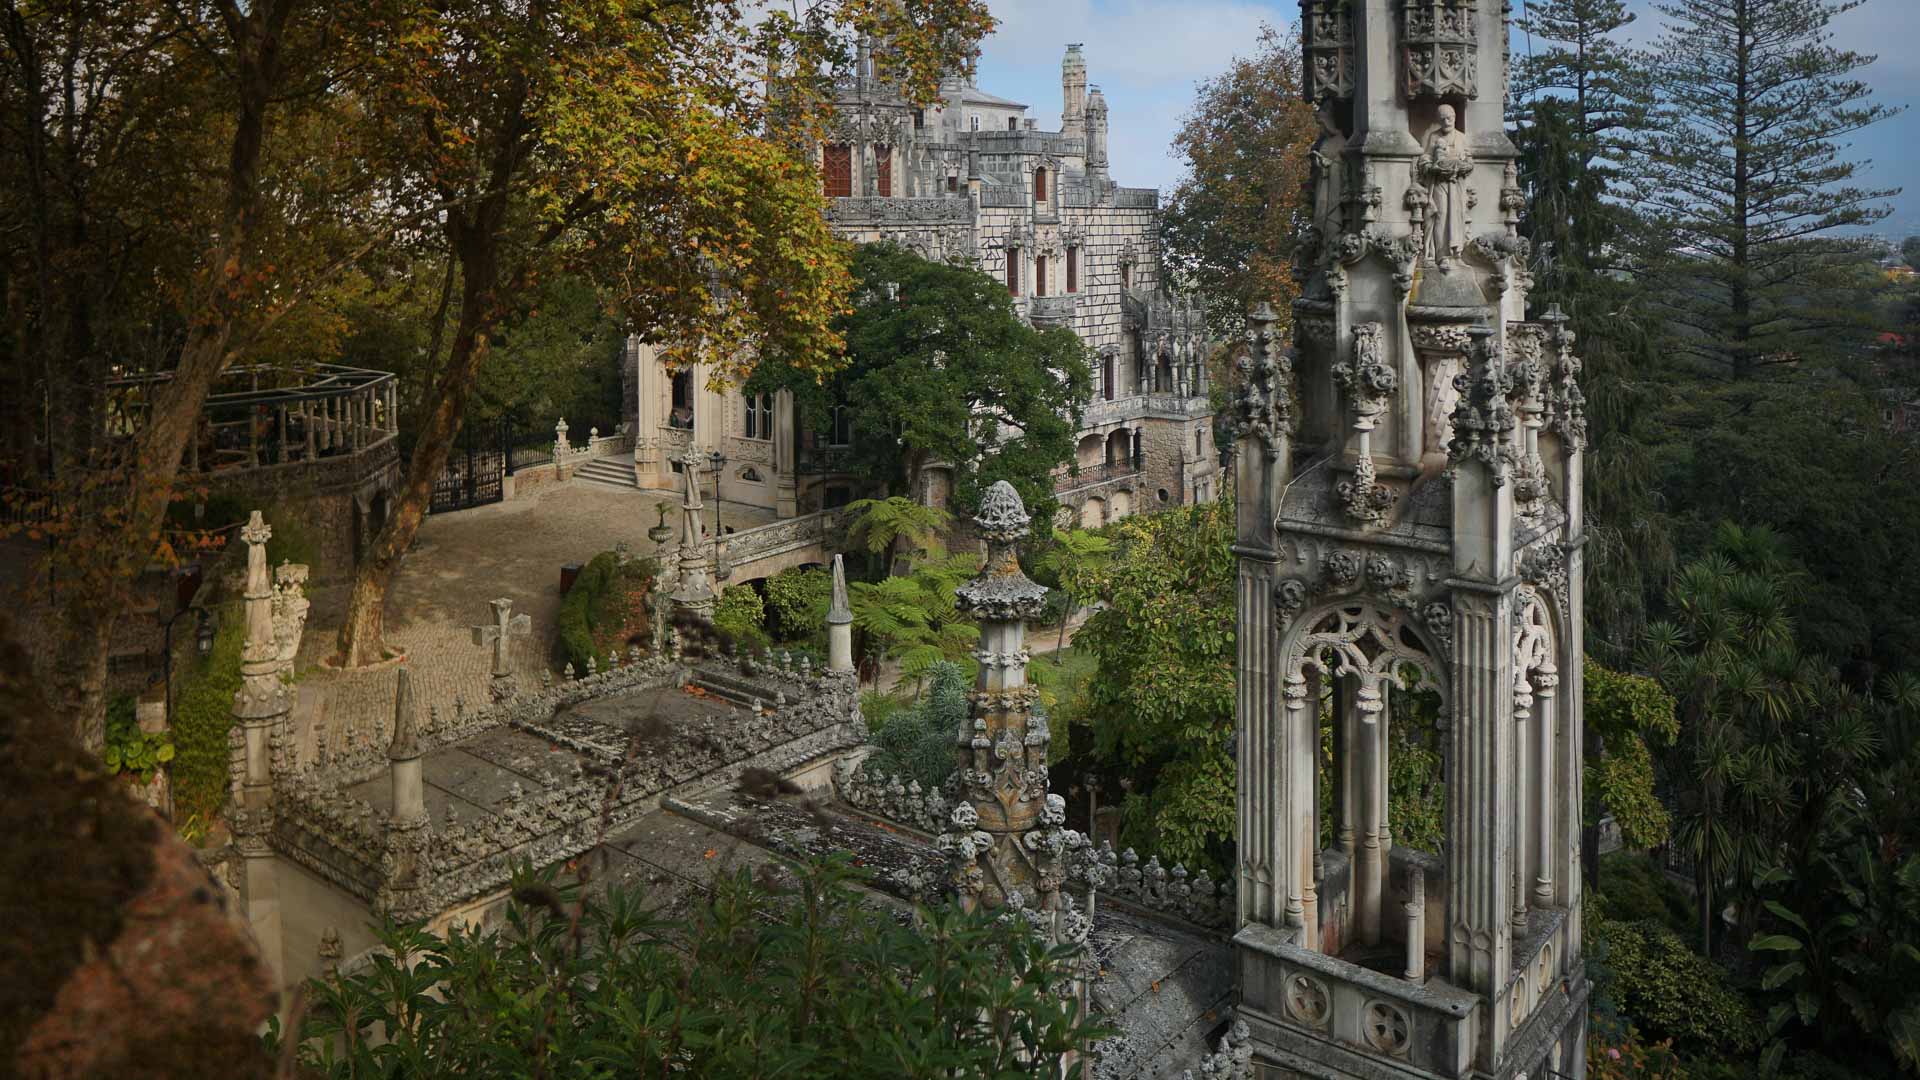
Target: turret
(1073, 93)
(1097, 137)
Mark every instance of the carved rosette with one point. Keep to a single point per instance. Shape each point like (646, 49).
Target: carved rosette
(1483, 421)
(1437, 55)
(1326, 28)
(1263, 404)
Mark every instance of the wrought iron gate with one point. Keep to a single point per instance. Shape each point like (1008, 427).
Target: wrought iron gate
(476, 469)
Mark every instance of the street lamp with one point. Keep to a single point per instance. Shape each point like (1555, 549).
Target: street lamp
(719, 461)
(203, 640)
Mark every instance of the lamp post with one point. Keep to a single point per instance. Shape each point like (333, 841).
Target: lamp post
(203, 639)
(719, 461)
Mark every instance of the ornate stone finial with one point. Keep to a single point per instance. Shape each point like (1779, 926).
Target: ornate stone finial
(405, 745)
(1002, 515)
(256, 531)
(1001, 592)
(1483, 421)
(1263, 405)
(839, 610)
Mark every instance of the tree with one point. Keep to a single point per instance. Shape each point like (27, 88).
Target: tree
(759, 977)
(1162, 695)
(158, 160)
(940, 369)
(1229, 224)
(880, 524)
(1582, 99)
(1075, 558)
(1622, 713)
(626, 142)
(1910, 251)
(1743, 172)
(915, 618)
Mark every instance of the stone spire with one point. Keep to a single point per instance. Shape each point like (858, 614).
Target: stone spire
(695, 590)
(1007, 838)
(839, 621)
(259, 707)
(1073, 93)
(409, 832)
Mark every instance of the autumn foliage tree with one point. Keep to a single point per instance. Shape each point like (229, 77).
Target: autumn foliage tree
(1230, 222)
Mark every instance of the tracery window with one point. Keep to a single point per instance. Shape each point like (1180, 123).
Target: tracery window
(759, 416)
(836, 170)
(883, 169)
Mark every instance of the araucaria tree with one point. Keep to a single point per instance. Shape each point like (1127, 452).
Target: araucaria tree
(1230, 223)
(629, 142)
(940, 369)
(1743, 172)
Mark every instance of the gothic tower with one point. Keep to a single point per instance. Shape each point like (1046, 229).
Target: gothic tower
(1409, 537)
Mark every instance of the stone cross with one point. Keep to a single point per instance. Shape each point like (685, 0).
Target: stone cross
(499, 634)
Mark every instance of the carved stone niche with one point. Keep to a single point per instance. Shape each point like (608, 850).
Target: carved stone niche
(1327, 30)
(1437, 53)
(1441, 349)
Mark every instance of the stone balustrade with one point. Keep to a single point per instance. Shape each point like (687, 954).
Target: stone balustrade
(1149, 886)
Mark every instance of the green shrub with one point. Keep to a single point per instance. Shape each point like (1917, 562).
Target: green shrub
(1632, 889)
(128, 748)
(203, 716)
(796, 601)
(741, 614)
(755, 978)
(602, 609)
(917, 741)
(1670, 991)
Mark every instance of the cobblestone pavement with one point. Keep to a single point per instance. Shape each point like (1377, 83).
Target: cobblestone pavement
(459, 563)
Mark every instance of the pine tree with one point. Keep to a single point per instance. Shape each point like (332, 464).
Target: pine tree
(1744, 173)
(1582, 99)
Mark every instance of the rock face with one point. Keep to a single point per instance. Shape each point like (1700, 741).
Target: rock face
(120, 956)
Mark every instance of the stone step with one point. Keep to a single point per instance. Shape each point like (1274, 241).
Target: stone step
(614, 471)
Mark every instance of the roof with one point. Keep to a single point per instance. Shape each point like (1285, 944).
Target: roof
(973, 95)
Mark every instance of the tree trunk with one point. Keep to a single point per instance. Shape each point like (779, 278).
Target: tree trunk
(476, 245)
(108, 551)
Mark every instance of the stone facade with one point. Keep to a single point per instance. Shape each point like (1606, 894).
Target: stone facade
(971, 178)
(1410, 525)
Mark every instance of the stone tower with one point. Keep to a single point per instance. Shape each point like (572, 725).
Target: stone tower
(1409, 538)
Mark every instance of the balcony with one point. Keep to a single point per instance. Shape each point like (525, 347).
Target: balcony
(1093, 476)
(260, 416)
(881, 210)
(1048, 311)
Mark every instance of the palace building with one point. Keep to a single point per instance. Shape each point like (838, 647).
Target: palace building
(972, 178)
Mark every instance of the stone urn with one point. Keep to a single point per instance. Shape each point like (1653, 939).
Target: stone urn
(661, 531)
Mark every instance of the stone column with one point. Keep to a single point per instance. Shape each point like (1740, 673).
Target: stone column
(260, 706)
(839, 622)
(1546, 681)
(695, 592)
(786, 471)
(1520, 804)
(1416, 908)
(1370, 873)
(1263, 465)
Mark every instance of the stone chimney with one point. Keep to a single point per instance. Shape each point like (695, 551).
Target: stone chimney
(1097, 138)
(1073, 94)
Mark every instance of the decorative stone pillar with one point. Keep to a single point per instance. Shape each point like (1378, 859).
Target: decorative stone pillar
(408, 828)
(695, 592)
(1097, 141)
(1416, 909)
(839, 621)
(998, 839)
(261, 705)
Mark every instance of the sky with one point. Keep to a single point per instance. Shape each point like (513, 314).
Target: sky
(1148, 55)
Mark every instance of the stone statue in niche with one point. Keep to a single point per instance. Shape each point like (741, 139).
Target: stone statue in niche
(1326, 172)
(1445, 163)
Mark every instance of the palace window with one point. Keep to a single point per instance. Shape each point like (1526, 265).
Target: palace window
(1039, 185)
(919, 119)
(836, 170)
(682, 414)
(1073, 269)
(842, 432)
(759, 416)
(976, 122)
(953, 182)
(1013, 123)
(883, 169)
(1013, 271)
(1126, 276)
(1039, 275)
(1106, 374)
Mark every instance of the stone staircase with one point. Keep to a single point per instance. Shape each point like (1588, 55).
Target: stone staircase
(617, 472)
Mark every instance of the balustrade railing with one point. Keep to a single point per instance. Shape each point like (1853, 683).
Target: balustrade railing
(1090, 475)
(260, 415)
